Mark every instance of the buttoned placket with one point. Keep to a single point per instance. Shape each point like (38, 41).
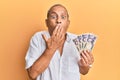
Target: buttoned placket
(60, 62)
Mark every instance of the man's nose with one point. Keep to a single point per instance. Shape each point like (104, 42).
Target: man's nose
(58, 21)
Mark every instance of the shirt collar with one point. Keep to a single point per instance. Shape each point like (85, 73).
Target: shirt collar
(68, 39)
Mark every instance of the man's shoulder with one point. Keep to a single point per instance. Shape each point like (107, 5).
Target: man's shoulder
(72, 35)
(39, 33)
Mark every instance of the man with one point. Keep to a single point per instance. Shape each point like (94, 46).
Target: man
(52, 54)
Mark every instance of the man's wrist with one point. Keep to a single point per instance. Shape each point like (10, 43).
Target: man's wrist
(49, 53)
(51, 50)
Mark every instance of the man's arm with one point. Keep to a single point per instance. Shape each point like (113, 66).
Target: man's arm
(52, 44)
(41, 64)
(85, 62)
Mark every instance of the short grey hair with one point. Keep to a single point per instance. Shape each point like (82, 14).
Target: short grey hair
(55, 6)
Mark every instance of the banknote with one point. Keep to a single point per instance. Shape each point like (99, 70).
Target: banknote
(85, 41)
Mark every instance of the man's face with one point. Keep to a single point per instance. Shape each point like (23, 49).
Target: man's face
(57, 16)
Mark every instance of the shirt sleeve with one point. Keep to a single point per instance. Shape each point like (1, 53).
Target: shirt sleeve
(33, 52)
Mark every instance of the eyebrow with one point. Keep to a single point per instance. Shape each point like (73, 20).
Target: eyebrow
(63, 14)
(52, 13)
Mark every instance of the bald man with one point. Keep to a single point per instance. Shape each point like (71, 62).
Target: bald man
(52, 54)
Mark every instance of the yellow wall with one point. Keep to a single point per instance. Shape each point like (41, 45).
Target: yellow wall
(20, 19)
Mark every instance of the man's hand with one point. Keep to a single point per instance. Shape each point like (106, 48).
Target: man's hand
(56, 39)
(43, 61)
(85, 61)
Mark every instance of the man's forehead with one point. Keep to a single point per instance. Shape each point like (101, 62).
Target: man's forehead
(57, 8)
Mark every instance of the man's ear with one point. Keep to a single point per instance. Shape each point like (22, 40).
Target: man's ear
(46, 22)
(68, 22)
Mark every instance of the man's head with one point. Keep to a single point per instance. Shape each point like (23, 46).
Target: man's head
(57, 15)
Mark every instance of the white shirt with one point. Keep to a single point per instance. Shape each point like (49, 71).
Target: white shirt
(63, 67)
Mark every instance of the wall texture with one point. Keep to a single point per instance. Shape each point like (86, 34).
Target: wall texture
(20, 19)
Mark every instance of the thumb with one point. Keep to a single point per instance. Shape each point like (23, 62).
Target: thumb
(44, 37)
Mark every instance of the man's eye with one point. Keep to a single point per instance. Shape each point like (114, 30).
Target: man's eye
(53, 17)
(63, 17)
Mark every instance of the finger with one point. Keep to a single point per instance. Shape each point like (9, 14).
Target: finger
(58, 34)
(91, 56)
(44, 37)
(82, 62)
(88, 56)
(84, 57)
(89, 52)
(55, 30)
(59, 28)
(61, 35)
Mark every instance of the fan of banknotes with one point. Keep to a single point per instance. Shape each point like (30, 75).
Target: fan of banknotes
(85, 41)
